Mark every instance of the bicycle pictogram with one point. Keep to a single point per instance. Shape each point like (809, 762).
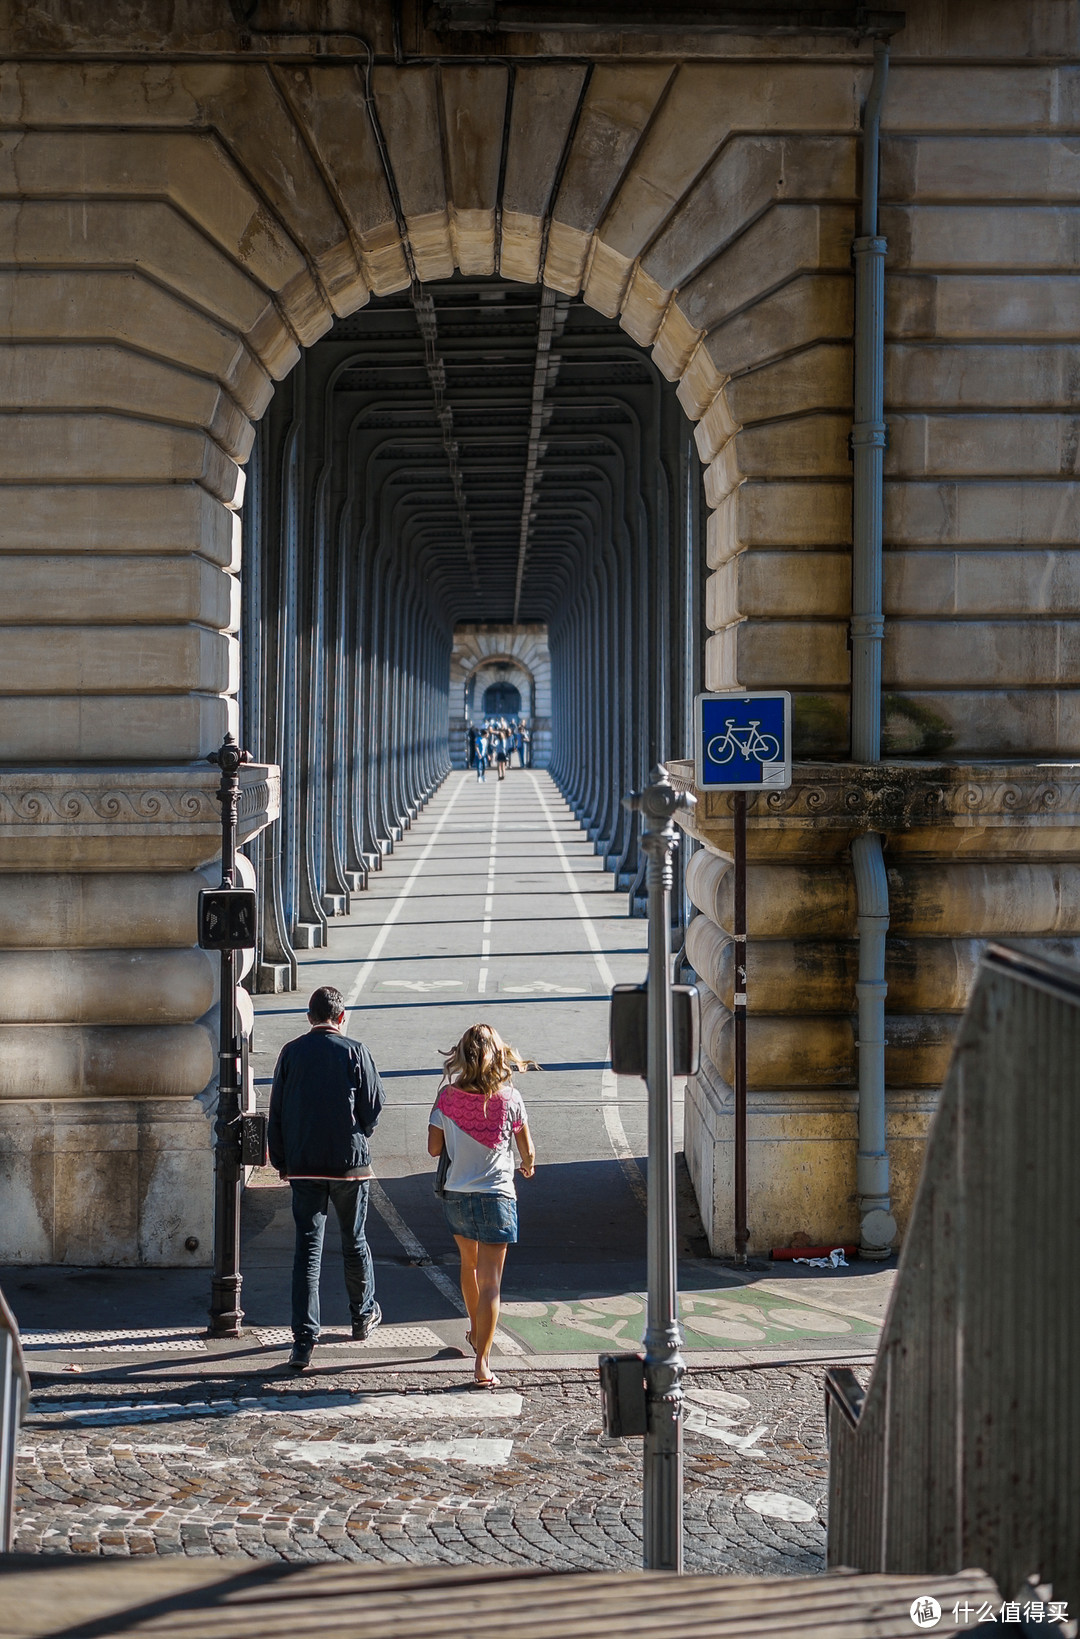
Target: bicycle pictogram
(745, 741)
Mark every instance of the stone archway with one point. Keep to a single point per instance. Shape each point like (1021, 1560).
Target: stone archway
(187, 211)
(485, 656)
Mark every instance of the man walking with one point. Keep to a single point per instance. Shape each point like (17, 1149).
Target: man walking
(324, 1106)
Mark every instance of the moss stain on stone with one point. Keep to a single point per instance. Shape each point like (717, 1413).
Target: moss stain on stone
(909, 728)
(819, 727)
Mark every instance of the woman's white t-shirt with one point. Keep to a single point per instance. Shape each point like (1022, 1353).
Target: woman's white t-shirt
(478, 1134)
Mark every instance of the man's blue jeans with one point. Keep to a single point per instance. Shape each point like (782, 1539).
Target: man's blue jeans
(311, 1201)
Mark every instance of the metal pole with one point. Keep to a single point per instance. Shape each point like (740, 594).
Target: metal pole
(664, 1367)
(226, 1314)
(738, 805)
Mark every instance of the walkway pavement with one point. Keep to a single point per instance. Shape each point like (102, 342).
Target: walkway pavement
(492, 907)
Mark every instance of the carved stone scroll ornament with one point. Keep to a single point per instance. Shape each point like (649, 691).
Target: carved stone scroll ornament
(123, 818)
(899, 797)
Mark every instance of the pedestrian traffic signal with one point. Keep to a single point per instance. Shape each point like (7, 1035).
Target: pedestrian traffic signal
(227, 918)
(630, 1030)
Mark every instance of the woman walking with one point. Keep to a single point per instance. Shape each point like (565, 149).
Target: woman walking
(478, 1118)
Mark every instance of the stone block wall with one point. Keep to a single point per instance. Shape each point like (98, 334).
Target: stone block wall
(182, 218)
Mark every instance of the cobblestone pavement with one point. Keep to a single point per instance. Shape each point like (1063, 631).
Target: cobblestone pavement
(416, 1471)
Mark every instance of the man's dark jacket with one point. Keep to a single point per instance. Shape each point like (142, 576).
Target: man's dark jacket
(324, 1105)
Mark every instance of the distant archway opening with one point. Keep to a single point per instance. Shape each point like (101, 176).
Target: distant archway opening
(502, 700)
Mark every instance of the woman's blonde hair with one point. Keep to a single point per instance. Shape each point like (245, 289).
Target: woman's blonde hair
(481, 1062)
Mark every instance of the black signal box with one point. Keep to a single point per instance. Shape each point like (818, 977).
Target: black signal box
(227, 918)
(622, 1395)
(630, 1030)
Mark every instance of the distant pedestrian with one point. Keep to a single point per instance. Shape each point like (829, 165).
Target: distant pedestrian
(502, 752)
(478, 1118)
(482, 745)
(472, 739)
(324, 1106)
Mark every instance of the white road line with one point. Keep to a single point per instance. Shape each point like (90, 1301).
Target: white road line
(485, 944)
(480, 1453)
(616, 1132)
(397, 907)
(580, 906)
(401, 1232)
(608, 1083)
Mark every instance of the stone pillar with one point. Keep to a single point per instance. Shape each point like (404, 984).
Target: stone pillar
(974, 852)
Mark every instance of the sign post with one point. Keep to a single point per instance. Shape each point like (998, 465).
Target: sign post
(742, 742)
(662, 1520)
(227, 924)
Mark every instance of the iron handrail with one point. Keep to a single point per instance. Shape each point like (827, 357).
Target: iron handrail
(14, 1396)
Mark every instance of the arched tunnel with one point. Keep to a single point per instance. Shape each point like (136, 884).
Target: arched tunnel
(473, 455)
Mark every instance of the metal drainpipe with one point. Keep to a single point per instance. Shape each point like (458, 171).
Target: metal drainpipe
(877, 1228)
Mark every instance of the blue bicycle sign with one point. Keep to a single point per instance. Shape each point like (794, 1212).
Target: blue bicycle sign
(743, 742)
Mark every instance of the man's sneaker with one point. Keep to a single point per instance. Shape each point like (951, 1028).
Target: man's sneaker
(300, 1359)
(362, 1329)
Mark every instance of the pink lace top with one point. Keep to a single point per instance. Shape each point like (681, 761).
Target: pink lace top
(479, 1138)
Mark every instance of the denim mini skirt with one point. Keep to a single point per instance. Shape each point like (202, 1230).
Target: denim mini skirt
(489, 1218)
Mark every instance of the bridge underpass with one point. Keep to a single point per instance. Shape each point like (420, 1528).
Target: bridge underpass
(471, 455)
(196, 212)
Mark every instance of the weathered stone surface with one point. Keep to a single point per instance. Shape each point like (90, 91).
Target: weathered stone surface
(328, 103)
(545, 99)
(62, 588)
(676, 342)
(973, 583)
(153, 237)
(117, 659)
(760, 654)
(124, 818)
(801, 1169)
(925, 808)
(83, 304)
(140, 987)
(969, 306)
(68, 1061)
(975, 97)
(703, 106)
(780, 513)
(408, 108)
(996, 653)
(115, 379)
(809, 308)
(801, 585)
(99, 910)
(993, 446)
(122, 1181)
(121, 518)
(969, 238)
(474, 105)
(818, 378)
(786, 241)
(59, 449)
(984, 167)
(749, 174)
(618, 103)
